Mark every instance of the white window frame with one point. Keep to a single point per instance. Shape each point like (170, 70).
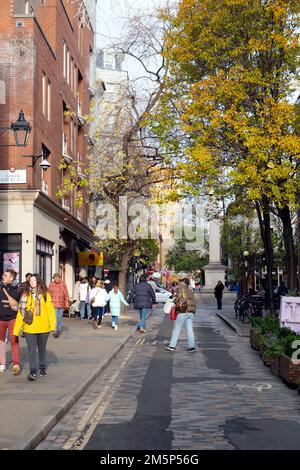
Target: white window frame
(44, 94)
(65, 60)
(49, 101)
(68, 67)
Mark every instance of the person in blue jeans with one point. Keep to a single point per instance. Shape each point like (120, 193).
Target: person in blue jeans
(143, 297)
(186, 298)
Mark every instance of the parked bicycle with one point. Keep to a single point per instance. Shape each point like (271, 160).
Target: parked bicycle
(246, 306)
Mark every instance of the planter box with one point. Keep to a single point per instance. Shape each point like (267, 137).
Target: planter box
(275, 367)
(255, 338)
(288, 371)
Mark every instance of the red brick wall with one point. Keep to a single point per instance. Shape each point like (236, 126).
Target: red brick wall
(25, 54)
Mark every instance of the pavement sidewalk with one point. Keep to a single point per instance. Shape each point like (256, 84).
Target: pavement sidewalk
(29, 410)
(227, 314)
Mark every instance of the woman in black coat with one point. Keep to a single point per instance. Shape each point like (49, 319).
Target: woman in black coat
(219, 293)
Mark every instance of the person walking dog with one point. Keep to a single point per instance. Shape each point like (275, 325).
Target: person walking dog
(186, 308)
(37, 318)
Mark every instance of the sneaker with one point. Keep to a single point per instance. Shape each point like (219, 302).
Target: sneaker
(31, 377)
(43, 372)
(170, 348)
(116, 327)
(57, 334)
(141, 330)
(112, 325)
(95, 325)
(191, 350)
(16, 370)
(2, 367)
(99, 326)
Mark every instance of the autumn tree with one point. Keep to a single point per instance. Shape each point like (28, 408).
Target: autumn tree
(226, 106)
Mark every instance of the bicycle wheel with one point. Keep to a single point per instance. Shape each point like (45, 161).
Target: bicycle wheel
(248, 312)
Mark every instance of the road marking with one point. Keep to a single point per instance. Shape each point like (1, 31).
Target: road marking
(256, 386)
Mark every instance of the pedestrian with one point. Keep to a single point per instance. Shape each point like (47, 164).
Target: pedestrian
(8, 313)
(152, 283)
(186, 307)
(115, 298)
(219, 293)
(108, 287)
(84, 297)
(37, 317)
(60, 298)
(76, 304)
(143, 297)
(99, 299)
(25, 284)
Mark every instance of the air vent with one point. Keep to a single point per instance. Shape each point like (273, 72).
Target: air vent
(20, 24)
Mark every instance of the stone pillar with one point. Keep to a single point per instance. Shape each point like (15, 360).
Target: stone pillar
(214, 270)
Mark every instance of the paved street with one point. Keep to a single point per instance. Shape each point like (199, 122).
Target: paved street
(29, 409)
(222, 397)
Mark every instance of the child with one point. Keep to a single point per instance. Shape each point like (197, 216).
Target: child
(115, 297)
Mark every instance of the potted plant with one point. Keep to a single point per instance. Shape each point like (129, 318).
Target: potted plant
(273, 348)
(289, 369)
(255, 332)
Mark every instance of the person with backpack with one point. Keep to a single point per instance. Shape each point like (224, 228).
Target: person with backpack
(186, 308)
(9, 301)
(60, 298)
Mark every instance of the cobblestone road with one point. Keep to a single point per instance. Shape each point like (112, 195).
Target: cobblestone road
(222, 397)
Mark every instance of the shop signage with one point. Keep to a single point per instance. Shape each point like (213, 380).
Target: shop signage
(13, 176)
(90, 258)
(290, 313)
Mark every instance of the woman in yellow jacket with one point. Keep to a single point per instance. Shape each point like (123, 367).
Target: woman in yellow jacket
(38, 301)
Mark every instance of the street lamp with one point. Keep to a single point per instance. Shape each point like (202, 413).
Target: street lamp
(21, 129)
(44, 163)
(246, 254)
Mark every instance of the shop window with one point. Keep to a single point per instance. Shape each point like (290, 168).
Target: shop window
(44, 254)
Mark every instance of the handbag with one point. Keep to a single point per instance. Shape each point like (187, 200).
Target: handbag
(13, 303)
(173, 313)
(168, 305)
(28, 316)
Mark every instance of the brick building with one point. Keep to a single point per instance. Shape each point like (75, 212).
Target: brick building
(46, 47)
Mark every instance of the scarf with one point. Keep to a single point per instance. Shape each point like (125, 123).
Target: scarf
(34, 304)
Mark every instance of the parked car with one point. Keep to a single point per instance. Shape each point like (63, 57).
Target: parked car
(162, 295)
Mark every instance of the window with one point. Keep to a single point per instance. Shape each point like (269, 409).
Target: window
(75, 80)
(65, 60)
(44, 253)
(27, 9)
(44, 99)
(72, 75)
(64, 144)
(72, 134)
(108, 60)
(49, 101)
(68, 66)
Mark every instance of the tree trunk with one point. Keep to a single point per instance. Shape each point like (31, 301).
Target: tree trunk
(263, 214)
(122, 273)
(288, 239)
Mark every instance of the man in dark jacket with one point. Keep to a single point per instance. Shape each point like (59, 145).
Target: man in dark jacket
(7, 320)
(144, 298)
(186, 308)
